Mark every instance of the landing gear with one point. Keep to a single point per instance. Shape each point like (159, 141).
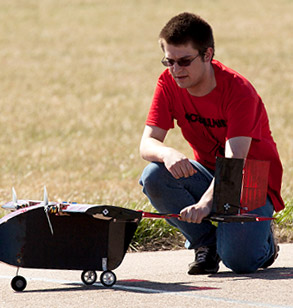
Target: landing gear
(18, 283)
(108, 278)
(88, 277)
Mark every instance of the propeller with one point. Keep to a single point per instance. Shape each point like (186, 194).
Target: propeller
(46, 208)
(14, 197)
(45, 199)
(16, 204)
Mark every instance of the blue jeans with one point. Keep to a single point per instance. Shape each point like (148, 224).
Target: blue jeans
(243, 247)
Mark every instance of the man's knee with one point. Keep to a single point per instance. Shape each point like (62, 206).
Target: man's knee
(243, 264)
(152, 177)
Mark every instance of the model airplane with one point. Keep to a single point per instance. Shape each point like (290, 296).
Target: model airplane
(51, 235)
(89, 237)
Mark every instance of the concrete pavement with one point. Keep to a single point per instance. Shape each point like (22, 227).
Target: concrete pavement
(155, 279)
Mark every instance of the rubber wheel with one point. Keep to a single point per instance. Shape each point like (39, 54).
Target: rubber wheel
(108, 278)
(18, 283)
(88, 277)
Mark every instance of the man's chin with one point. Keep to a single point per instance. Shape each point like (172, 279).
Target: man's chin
(181, 84)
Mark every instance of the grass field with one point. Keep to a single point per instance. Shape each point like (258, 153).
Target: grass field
(77, 78)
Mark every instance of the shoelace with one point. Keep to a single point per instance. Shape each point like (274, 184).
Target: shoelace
(201, 254)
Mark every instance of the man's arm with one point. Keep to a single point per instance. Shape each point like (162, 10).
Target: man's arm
(237, 147)
(152, 148)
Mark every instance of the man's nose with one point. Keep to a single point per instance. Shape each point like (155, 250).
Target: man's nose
(176, 67)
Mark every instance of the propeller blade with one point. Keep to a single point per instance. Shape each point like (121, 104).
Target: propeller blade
(49, 222)
(46, 208)
(14, 197)
(46, 202)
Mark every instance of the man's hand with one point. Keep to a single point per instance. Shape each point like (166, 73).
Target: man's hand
(177, 164)
(196, 213)
(152, 148)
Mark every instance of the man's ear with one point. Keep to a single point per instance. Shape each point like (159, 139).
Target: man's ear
(208, 54)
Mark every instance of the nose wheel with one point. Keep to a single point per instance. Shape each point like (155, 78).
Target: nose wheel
(18, 283)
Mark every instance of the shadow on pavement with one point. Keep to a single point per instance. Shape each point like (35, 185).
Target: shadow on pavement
(146, 286)
(276, 273)
(133, 285)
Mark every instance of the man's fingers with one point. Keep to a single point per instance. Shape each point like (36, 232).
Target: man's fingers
(190, 214)
(182, 169)
(192, 171)
(188, 170)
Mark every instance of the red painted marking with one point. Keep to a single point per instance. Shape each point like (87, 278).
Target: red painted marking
(133, 280)
(287, 274)
(202, 288)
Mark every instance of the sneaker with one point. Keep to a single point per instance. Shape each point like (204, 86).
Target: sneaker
(206, 261)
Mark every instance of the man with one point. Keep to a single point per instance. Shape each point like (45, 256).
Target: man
(220, 114)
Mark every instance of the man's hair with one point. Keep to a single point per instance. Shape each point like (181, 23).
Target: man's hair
(188, 28)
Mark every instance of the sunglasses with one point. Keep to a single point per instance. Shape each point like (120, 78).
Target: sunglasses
(180, 62)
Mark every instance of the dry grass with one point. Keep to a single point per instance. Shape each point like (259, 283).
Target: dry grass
(77, 77)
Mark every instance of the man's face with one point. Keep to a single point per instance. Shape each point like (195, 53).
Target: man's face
(188, 77)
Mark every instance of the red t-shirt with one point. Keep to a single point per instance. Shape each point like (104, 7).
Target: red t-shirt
(230, 110)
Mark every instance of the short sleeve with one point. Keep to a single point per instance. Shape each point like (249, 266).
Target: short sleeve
(160, 113)
(245, 115)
